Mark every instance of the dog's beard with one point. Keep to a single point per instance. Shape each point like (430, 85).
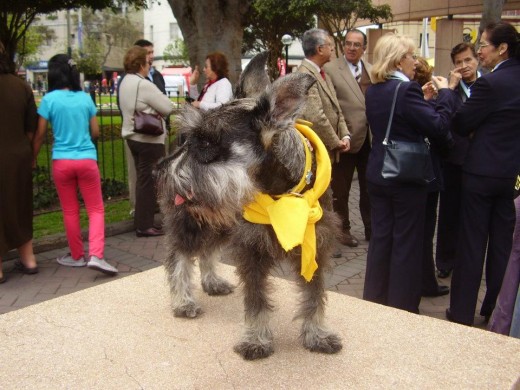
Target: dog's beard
(213, 194)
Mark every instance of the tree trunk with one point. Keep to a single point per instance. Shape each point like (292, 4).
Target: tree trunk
(491, 12)
(209, 25)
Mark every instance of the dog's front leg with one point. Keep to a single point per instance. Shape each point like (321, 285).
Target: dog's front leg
(257, 338)
(314, 334)
(179, 270)
(213, 284)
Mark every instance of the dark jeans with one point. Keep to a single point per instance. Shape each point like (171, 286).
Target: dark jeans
(342, 175)
(449, 217)
(145, 157)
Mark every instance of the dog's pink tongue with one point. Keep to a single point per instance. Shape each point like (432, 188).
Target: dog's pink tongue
(178, 200)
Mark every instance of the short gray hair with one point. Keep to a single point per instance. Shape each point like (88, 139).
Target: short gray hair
(312, 39)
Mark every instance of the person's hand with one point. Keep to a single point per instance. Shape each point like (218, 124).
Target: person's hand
(440, 82)
(454, 77)
(347, 144)
(429, 91)
(195, 104)
(194, 78)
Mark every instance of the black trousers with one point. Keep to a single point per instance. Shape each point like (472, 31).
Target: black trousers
(449, 217)
(487, 220)
(145, 157)
(342, 175)
(394, 261)
(429, 281)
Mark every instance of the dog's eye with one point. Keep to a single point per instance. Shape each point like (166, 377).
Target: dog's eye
(204, 144)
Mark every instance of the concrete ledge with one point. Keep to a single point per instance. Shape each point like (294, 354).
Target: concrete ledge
(121, 335)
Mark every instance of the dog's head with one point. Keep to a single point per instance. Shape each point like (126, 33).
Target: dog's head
(234, 151)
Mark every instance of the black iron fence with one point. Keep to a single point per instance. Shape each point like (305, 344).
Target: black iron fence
(111, 157)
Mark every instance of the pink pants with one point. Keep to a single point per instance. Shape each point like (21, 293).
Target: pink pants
(68, 176)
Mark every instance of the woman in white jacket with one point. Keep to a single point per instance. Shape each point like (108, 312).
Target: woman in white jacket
(218, 89)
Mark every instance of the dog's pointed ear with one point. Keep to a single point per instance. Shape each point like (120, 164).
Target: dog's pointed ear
(253, 80)
(287, 96)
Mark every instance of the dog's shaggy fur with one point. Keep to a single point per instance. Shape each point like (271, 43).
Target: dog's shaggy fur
(246, 146)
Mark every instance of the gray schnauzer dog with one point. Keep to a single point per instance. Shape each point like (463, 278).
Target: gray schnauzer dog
(231, 153)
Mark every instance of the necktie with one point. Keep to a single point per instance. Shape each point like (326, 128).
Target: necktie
(322, 74)
(357, 73)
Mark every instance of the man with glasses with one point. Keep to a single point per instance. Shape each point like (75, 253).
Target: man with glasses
(323, 110)
(350, 76)
(465, 60)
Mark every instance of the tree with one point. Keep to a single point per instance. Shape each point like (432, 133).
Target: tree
(28, 47)
(17, 15)
(102, 31)
(338, 16)
(268, 21)
(209, 25)
(176, 52)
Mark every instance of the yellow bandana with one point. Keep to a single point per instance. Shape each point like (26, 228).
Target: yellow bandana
(293, 215)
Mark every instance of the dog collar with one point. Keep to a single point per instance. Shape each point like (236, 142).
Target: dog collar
(294, 215)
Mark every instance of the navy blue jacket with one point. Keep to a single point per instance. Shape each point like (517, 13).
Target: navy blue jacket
(414, 119)
(492, 114)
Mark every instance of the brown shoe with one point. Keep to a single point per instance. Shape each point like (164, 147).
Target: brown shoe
(348, 239)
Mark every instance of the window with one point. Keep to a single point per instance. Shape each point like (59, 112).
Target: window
(174, 31)
(151, 33)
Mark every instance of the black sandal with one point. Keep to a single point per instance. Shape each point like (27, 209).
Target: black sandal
(26, 270)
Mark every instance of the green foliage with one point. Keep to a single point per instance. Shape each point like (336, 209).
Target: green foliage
(176, 52)
(17, 15)
(28, 47)
(268, 21)
(338, 16)
(91, 63)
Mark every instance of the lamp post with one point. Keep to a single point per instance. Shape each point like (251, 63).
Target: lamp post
(287, 41)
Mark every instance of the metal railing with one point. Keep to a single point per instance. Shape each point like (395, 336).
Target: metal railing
(111, 157)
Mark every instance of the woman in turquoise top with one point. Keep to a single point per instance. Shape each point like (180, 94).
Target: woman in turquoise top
(72, 115)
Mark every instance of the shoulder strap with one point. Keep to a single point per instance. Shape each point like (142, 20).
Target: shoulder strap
(385, 141)
(137, 93)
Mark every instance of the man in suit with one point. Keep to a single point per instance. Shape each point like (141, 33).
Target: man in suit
(464, 58)
(351, 77)
(323, 110)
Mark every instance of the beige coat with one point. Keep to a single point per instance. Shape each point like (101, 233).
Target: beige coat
(323, 110)
(351, 100)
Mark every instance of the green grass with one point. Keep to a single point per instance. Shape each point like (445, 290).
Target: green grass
(52, 223)
(112, 164)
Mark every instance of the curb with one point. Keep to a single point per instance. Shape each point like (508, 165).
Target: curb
(59, 240)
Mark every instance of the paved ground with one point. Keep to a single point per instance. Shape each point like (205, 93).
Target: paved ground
(132, 255)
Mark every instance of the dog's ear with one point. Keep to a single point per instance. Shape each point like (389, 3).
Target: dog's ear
(253, 80)
(287, 96)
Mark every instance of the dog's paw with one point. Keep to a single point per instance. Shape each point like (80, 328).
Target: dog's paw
(189, 311)
(328, 344)
(218, 287)
(254, 351)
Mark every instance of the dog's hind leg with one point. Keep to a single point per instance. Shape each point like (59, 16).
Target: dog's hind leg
(314, 334)
(179, 270)
(213, 284)
(257, 338)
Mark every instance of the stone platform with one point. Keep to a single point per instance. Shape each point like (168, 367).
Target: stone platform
(121, 335)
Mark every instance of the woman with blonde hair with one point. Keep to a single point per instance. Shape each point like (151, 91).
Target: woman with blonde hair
(394, 266)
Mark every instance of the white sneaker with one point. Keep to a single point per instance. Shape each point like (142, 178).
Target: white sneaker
(102, 266)
(68, 261)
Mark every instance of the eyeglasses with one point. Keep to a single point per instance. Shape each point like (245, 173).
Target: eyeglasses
(412, 55)
(483, 44)
(355, 45)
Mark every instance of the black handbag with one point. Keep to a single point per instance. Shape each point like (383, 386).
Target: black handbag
(149, 124)
(406, 162)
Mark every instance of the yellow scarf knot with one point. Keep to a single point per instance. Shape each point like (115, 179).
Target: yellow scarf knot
(293, 216)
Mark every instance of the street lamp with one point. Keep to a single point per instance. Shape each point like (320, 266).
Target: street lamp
(287, 41)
